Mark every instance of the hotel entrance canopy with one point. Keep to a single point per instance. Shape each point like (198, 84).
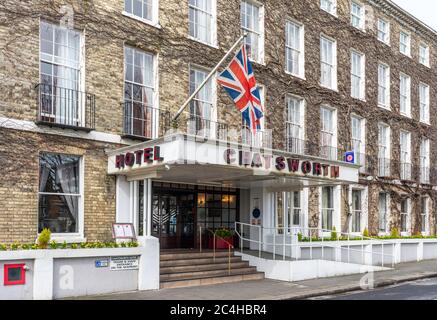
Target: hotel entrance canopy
(188, 159)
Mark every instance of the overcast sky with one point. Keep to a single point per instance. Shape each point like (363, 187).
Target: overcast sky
(424, 10)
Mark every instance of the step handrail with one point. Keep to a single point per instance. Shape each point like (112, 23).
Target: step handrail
(324, 242)
(214, 241)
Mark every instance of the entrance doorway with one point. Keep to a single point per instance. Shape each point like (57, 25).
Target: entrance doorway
(180, 210)
(173, 219)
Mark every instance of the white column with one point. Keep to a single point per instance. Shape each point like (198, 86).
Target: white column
(420, 251)
(148, 206)
(148, 273)
(43, 278)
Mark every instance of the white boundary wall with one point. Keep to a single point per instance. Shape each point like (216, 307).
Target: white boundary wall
(60, 273)
(337, 261)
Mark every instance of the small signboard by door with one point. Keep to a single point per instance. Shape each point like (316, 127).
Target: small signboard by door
(124, 263)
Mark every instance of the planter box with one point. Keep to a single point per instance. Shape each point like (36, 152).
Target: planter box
(220, 243)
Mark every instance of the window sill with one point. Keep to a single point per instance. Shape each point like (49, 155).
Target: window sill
(425, 65)
(215, 46)
(150, 23)
(427, 123)
(384, 107)
(329, 88)
(404, 54)
(295, 75)
(405, 115)
(261, 62)
(359, 99)
(384, 42)
(334, 14)
(68, 238)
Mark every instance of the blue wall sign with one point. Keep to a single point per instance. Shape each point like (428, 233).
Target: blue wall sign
(349, 157)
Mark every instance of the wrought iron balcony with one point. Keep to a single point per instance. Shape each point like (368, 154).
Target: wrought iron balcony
(143, 122)
(405, 170)
(66, 108)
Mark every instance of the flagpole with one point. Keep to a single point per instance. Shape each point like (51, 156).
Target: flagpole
(213, 71)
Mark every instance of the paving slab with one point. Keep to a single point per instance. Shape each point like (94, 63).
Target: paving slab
(268, 289)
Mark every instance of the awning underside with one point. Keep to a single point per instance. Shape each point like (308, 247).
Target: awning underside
(236, 177)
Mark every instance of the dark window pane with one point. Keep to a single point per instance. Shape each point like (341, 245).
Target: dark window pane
(58, 213)
(59, 173)
(14, 274)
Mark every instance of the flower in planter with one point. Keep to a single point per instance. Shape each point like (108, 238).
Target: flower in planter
(224, 233)
(44, 239)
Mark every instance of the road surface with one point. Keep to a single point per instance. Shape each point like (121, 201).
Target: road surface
(417, 290)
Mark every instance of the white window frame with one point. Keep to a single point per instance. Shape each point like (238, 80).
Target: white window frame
(384, 86)
(360, 124)
(361, 75)
(155, 104)
(384, 148)
(288, 208)
(387, 213)
(424, 158)
(213, 119)
(407, 217)
(405, 95)
(336, 219)
(300, 51)
(407, 44)
(405, 154)
(326, 133)
(297, 144)
(260, 54)
(213, 40)
(424, 103)
(424, 214)
(386, 33)
(364, 221)
(332, 65)
(424, 59)
(155, 13)
(361, 17)
(74, 237)
(55, 62)
(332, 4)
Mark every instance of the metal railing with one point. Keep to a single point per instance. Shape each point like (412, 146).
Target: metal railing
(405, 170)
(424, 175)
(143, 121)
(384, 167)
(65, 107)
(215, 236)
(290, 247)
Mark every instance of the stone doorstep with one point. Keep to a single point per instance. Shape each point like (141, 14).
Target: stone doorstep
(349, 288)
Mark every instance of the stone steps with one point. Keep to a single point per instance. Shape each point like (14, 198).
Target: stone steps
(203, 267)
(190, 268)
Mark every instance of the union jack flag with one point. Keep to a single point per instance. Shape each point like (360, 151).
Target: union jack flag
(239, 82)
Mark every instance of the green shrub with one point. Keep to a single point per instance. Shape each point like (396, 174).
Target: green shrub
(64, 245)
(394, 233)
(53, 244)
(299, 237)
(44, 238)
(223, 233)
(15, 246)
(333, 234)
(74, 246)
(26, 246)
(34, 246)
(3, 247)
(132, 244)
(366, 233)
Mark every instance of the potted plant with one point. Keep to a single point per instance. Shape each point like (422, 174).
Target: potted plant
(223, 237)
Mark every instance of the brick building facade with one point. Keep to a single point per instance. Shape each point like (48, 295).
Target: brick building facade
(161, 35)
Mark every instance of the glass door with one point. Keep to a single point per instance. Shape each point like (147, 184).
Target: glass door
(173, 219)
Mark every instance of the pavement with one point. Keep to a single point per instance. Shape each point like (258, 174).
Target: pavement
(267, 289)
